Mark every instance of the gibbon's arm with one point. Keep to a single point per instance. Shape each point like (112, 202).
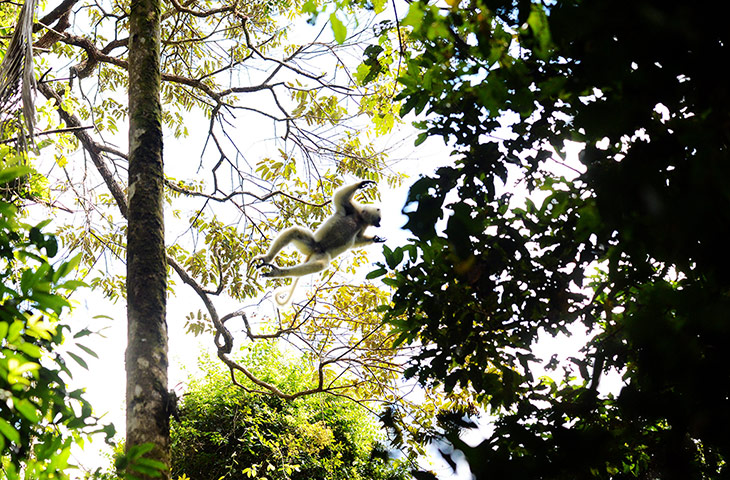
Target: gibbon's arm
(343, 197)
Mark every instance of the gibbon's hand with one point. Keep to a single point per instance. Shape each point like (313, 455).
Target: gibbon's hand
(377, 239)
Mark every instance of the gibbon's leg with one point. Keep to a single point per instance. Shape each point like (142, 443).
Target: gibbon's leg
(302, 238)
(316, 263)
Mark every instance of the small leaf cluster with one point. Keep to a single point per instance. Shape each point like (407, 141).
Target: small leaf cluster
(136, 465)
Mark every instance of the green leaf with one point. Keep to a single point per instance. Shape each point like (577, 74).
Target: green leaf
(87, 350)
(27, 409)
(9, 432)
(14, 331)
(43, 223)
(11, 173)
(79, 360)
(29, 279)
(30, 349)
(67, 267)
(376, 273)
(414, 17)
(362, 73)
(338, 29)
(83, 332)
(393, 258)
(145, 470)
(53, 302)
(538, 23)
(149, 462)
(379, 5)
(71, 285)
(372, 51)
(310, 7)
(137, 451)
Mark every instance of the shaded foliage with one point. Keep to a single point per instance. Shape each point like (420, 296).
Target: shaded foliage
(516, 241)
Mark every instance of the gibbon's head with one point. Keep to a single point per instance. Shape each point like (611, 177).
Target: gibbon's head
(371, 216)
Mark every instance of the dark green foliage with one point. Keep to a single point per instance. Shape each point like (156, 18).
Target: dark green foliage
(632, 245)
(226, 432)
(37, 411)
(135, 463)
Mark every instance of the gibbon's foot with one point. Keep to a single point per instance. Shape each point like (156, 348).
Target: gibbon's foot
(273, 272)
(377, 239)
(258, 261)
(365, 183)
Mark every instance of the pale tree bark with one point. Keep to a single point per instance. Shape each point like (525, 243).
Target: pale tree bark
(146, 358)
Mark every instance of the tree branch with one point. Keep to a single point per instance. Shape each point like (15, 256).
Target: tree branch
(61, 14)
(95, 55)
(49, 132)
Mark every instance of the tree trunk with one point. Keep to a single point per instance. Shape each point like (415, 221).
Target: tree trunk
(146, 357)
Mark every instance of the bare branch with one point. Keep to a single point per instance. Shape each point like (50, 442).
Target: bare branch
(224, 342)
(261, 198)
(204, 13)
(95, 55)
(223, 337)
(62, 9)
(284, 63)
(90, 146)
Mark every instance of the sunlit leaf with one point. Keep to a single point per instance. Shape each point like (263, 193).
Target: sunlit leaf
(338, 29)
(9, 432)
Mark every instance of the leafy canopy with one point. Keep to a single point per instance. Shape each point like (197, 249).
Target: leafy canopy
(227, 432)
(517, 240)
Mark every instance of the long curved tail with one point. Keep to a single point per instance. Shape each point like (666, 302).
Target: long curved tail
(281, 292)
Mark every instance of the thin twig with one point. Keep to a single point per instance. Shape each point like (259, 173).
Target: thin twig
(50, 132)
